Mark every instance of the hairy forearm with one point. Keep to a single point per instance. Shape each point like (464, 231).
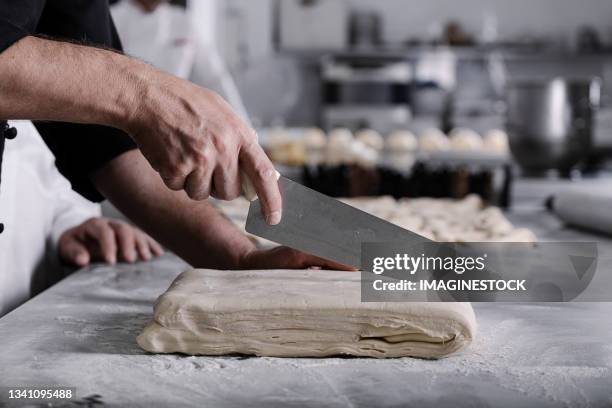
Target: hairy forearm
(194, 230)
(42, 79)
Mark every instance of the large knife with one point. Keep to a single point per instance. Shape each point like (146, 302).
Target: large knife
(320, 225)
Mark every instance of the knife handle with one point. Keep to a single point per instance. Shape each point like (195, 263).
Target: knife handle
(248, 189)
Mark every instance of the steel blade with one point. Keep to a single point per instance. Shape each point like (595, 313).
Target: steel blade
(323, 226)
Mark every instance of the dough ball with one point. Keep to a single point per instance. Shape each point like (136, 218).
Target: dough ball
(339, 146)
(370, 138)
(314, 138)
(465, 139)
(433, 139)
(496, 140)
(282, 148)
(291, 153)
(340, 137)
(401, 141)
(363, 154)
(276, 136)
(469, 204)
(492, 221)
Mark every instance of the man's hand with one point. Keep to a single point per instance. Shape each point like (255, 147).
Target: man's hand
(106, 240)
(283, 257)
(197, 143)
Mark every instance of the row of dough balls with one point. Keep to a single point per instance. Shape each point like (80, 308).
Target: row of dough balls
(495, 140)
(446, 220)
(365, 147)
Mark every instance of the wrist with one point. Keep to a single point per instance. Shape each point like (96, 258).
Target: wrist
(136, 80)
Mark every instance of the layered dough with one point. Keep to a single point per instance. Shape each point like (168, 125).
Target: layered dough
(297, 313)
(446, 220)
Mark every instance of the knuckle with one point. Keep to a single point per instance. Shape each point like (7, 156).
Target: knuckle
(200, 196)
(173, 185)
(202, 158)
(182, 168)
(197, 194)
(107, 230)
(206, 155)
(176, 169)
(250, 136)
(264, 171)
(123, 228)
(222, 147)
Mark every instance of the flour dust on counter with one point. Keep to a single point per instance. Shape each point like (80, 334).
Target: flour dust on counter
(295, 313)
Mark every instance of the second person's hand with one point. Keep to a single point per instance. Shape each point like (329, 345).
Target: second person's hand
(104, 239)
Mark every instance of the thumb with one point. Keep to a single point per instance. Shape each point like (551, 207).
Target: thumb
(74, 252)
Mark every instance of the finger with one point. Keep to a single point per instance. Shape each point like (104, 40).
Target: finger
(126, 241)
(74, 252)
(261, 172)
(302, 260)
(226, 182)
(104, 236)
(143, 246)
(197, 184)
(154, 246)
(314, 261)
(288, 258)
(173, 182)
(174, 173)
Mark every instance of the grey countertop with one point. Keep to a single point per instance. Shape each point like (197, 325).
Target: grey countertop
(81, 333)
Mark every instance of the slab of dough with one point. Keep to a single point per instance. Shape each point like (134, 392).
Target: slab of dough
(298, 313)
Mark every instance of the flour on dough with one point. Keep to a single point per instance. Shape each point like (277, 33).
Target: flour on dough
(298, 313)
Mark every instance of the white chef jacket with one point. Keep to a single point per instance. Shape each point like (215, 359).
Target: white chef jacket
(163, 38)
(37, 204)
(181, 42)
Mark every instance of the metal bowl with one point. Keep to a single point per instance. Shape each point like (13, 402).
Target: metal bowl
(549, 122)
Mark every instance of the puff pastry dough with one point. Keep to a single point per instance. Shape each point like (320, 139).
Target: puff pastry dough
(297, 313)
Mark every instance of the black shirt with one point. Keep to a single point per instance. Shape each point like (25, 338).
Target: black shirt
(79, 149)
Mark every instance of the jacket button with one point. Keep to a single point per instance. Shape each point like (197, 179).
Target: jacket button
(10, 133)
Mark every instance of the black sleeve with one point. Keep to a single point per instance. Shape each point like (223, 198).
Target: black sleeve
(82, 149)
(18, 19)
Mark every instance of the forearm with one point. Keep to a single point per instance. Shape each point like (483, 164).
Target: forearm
(42, 79)
(194, 230)
(188, 134)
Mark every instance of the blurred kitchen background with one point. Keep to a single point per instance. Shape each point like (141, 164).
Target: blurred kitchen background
(408, 98)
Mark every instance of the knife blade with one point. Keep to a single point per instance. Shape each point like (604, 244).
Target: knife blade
(323, 226)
